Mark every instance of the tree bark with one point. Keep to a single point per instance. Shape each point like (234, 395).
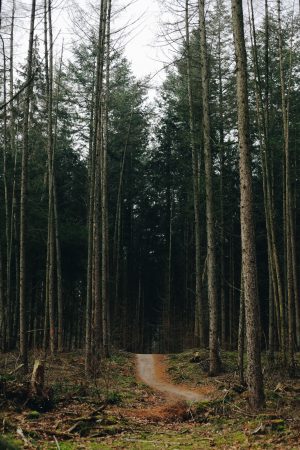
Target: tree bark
(241, 334)
(59, 279)
(291, 280)
(199, 322)
(263, 124)
(23, 198)
(104, 193)
(252, 315)
(214, 359)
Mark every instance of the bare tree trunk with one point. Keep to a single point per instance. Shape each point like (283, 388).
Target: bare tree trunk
(4, 176)
(15, 310)
(56, 227)
(254, 378)
(88, 311)
(117, 230)
(271, 320)
(168, 292)
(241, 334)
(214, 359)
(199, 322)
(222, 161)
(13, 149)
(292, 289)
(104, 200)
(97, 200)
(263, 121)
(23, 198)
(50, 269)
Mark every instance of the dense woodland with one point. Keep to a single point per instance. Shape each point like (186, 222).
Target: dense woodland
(153, 226)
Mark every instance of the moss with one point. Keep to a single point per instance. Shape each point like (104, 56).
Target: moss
(33, 415)
(277, 425)
(67, 445)
(234, 438)
(201, 407)
(8, 442)
(109, 420)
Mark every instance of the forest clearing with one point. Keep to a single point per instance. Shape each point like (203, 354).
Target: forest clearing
(119, 411)
(149, 224)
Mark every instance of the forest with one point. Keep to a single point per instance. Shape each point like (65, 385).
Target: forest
(134, 224)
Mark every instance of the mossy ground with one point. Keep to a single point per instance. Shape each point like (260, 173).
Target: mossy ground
(137, 418)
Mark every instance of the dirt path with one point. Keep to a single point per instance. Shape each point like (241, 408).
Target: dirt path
(151, 370)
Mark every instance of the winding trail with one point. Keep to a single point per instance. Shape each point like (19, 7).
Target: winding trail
(151, 370)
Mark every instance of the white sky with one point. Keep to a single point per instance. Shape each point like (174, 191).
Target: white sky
(141, 19)
(141, 39)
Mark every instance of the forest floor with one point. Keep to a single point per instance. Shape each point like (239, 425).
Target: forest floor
(118, 410)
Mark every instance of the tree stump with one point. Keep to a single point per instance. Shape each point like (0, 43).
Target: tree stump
(38, 379)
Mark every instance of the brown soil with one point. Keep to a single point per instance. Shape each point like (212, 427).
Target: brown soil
(171, 412)
(137, 415)
(151, 370)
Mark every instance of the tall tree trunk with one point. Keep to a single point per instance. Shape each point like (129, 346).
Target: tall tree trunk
(56, 223)
(23, 198)
(263, 123)
(13, 149)
(104, 199)
(222, 163)
(199, 320)
(291, 280)
(97, 245)
(50, 149)
(168, 291)
(117, 233)
(5, 184)
(252, 315)
(88, 309)
(214, 359)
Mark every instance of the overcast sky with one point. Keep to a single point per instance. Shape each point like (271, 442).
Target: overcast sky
(141, 38)
(136, 28)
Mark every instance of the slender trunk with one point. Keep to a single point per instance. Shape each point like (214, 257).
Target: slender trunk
(241, 334)
(15, 309)
(13, 149)
(97, 197)
(263, 121)
(4, 176)
(56, 227)
(23, 199)
(271, 320)
(51, 232)
(288, 218)
(104, 200)
(231, 292)
(214, 359)
(117, 229)
(88, 311)
(252, 315)
(222, 163)
(167, 303)
(199, 322)
(295, 308)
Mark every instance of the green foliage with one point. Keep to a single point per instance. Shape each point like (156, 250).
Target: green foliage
(10, 443)
(114, 398)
